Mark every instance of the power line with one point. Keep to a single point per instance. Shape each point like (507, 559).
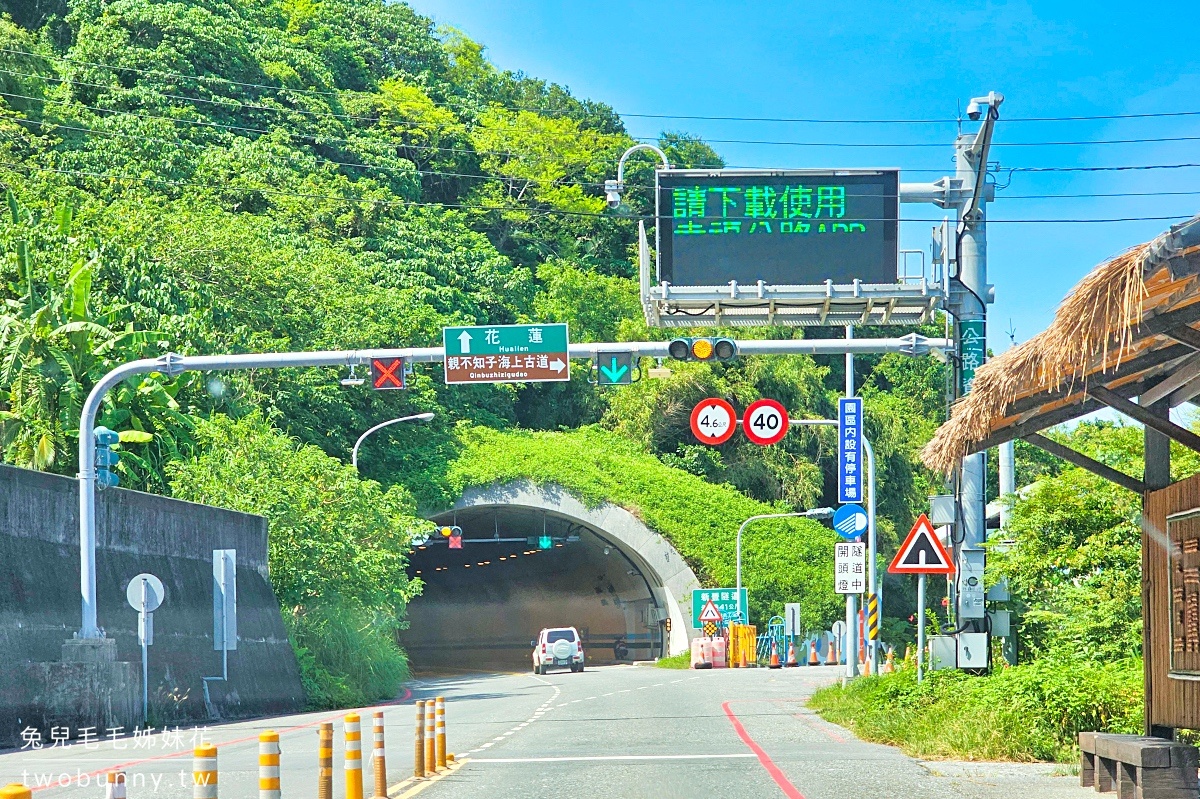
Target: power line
(889, 145)
(18, 168)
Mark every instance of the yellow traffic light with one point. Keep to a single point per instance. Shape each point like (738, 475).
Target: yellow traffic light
(447, 532)
(702, 349)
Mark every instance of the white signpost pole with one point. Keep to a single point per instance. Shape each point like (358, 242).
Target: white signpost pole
(920, 627)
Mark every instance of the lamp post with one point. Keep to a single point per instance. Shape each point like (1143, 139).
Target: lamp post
(417, 417)
(815, 513)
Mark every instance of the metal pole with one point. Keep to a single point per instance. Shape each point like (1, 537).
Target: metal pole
(1008, 478)
(172, 364)
(145, 631)
(424, 417)
(872, 540)
(920, 627)
(851, 599)
(814, 513)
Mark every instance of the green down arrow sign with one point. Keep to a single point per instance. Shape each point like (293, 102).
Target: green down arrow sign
(616, 368)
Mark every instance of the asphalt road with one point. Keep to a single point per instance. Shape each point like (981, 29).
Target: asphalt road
(618, 731)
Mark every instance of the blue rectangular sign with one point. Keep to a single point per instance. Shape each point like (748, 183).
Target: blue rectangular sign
(850, 462)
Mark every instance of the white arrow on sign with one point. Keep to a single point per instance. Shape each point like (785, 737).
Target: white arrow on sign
(557, 365)
(464, 340)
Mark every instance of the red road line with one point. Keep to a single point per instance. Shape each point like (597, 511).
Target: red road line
(785, 785)
(407, 695)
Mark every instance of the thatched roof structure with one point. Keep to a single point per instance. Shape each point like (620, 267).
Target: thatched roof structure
(1125, 326)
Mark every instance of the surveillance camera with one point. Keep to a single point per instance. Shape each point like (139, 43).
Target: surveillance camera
(612, 194)
(973, 111)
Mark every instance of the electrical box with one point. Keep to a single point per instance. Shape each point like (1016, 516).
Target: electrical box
(943, 652)
(942, 510)
(970, 585)
(998, 592)
(1000, 622)
(972, 650)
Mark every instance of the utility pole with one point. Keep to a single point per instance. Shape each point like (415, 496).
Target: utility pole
(851, 609)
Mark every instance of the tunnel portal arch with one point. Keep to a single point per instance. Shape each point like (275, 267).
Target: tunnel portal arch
(612, 570)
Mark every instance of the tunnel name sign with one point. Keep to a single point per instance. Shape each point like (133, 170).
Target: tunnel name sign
(507, 354)
(731, 602)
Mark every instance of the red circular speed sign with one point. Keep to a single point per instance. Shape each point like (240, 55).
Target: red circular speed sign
(765, 422)
(713, 421)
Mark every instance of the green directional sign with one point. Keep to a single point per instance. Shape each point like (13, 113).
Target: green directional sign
(614, 368)
(972, 350)
(507, 353)
(731, 602)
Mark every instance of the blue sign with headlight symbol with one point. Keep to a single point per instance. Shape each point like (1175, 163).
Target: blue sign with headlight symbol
(850, 521)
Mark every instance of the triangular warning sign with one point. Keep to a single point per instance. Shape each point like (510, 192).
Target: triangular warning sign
(710, 613)
(922, 552)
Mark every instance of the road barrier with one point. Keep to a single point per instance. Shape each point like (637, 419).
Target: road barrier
(114, 785)
(15, 790)
(419, 753)
(354, 776)
(325, 761)
(268, 765)
(440, 749)
(379, 758)
(430, 738)
(204, 772)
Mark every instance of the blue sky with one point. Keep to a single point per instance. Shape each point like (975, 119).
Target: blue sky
(913, 60)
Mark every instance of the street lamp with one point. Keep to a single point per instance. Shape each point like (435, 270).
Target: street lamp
(418, 417)
(613, 188)
(814, 513)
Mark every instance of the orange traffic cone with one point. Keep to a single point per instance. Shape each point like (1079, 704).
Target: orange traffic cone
(791, 661)
(889, 665)
(812, 654)
(775, 664)
(832, 659)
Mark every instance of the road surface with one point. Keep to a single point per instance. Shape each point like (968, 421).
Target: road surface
(617, 731)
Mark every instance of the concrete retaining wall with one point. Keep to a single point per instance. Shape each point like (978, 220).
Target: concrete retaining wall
(136, 532)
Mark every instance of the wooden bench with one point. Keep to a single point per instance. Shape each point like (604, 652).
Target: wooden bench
(1137, 766)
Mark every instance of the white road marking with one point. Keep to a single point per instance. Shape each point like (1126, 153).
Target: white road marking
(610, 693)
(739, 755)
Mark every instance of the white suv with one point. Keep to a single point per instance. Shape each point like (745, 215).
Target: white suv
(557, 646)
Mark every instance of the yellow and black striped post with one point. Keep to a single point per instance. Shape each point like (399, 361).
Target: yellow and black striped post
(873, 632)
(114, 785)
(419, 754)
(440, 749)
(354, 775)
(325, 761)
(379, 758)
(268, 765)
(15, 790)
(430, 739)
(204, 772)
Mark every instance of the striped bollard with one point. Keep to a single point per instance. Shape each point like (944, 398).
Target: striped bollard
(268, 765)
(379, 759)
(419, 754)
(325, 761)
(354, 775)
(204, 772)
(430, 739)
(440, 749)
(114, 785)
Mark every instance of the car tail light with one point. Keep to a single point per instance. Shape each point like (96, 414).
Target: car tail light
(543, 647)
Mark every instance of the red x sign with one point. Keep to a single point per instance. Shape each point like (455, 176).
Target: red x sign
(387, 373)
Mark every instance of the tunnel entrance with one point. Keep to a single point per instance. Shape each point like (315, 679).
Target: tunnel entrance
(484, 603)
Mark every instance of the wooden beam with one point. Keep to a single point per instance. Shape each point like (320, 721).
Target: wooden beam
(1185, 335)
(1146, 417)
(1084, 462)
(1185, 394)
(1182, 374)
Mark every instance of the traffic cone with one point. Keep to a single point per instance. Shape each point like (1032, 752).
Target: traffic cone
(791, 661)
(889, 665)
(831, 658)
(813, 660)
(775, 664)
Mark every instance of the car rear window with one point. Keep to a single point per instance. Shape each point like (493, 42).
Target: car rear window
(559, 635)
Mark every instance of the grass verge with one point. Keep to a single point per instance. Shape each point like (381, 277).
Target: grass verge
(681, 661)
(1026, 713)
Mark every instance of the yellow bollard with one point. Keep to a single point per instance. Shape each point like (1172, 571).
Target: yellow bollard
(268, 765)
(325, 761)
(379, 759)
(419, 754)
(15, 790)
(204, 772)
(440, 749)
(354, 775)
(430, 739)
(114, 785)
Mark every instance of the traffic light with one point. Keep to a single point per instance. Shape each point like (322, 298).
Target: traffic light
(545, 542)
(450, 530)
(106, 459)
(702, 349)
